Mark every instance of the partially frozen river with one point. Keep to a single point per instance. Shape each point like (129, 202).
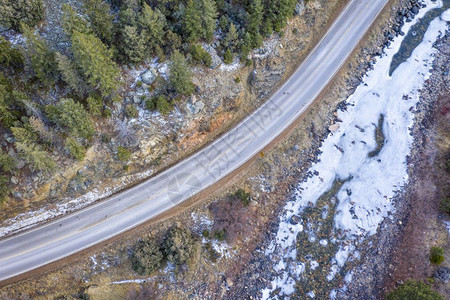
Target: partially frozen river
(361, 169)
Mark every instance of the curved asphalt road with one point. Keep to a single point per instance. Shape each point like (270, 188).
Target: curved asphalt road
(77, 231)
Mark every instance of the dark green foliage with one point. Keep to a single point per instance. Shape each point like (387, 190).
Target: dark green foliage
(436, 255)
(192, 22)
(173, 41)
(132, 45)
(95, 105)
(162, 105)
(179, 245)
(123, 154)
(212, 253)
(72, 21)
(159, 103)
(75, 149)
(24, 134)
(147, 257)
(220, 235)
(41, 57)
(237, 79)
(180, 79)
(200, 55)
(413, 290)
(4, 188)
(131, 111)
(7, 163)
(242, 195)
(100, 16)
(38, 159)
(15, 12)
(231, 39)
(7, 115)
(152, 23)
(71, 116)
(255, 16)
(95, 61)
(9, 56)
(150, 103)
(228, 57)
(70, 74)
(205, 233)
(200, 19)
(445, 205)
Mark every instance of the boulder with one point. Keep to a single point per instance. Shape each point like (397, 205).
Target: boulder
(149, 76)
(14, 180)
(299, 7)
(195, 108)
(216, 61)
(295, 220)
(333, 127)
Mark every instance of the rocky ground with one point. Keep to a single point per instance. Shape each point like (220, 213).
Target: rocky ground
(242, 269)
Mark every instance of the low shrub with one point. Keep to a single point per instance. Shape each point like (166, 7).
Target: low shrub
(228, 57)
(131, 111)
(179, 245)
(147, 257)
(76, 150)
(436, 255)
(220, 235)
(243, 196)
(445, 205)
(413, 290)
(123, 154)
(200, 55)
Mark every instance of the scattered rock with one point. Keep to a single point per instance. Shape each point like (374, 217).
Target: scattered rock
(442, 274)
(194, 108)
(295, 220)
(14, 180)
(149, 76)
(215, 59)
(299, 7)
(334, 127)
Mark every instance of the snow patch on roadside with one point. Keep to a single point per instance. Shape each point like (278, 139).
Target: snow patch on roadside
(366, 198)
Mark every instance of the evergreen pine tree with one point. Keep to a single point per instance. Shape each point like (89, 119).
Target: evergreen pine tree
(38, 159)
(208, 14)
(180, 78)
(72, 116)
(41, 57)
(133, 45)
(99, 13)
(95, 60)
(72, 21)
(15, 12)
(9, 56)
(152, 26)
(192, 22)
(255, 15)
(232, 38)
(70, 73)
(228, 57)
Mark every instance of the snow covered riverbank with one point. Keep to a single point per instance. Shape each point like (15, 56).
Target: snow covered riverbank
(365, 198)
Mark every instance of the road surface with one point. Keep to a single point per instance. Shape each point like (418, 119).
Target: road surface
(63, 237)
